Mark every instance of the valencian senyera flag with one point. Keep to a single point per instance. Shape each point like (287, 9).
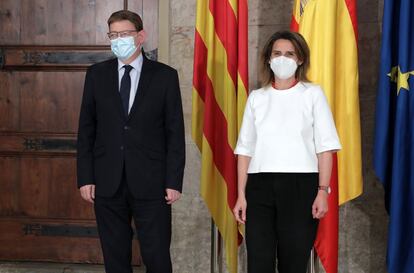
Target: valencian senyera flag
(220, 87)
(394, 131)
(330, 29)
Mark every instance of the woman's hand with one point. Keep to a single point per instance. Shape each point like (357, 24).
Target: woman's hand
(320, 205)
(239, 210)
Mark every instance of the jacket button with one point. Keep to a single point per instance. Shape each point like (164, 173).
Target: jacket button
(122, 147)
(126, 127)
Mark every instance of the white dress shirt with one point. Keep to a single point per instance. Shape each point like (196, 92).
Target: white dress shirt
(135, 74)
(283, 130)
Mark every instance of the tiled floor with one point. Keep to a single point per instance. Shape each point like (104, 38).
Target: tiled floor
(26, 267)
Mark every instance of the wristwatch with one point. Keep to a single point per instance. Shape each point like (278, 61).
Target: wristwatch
(327, 189)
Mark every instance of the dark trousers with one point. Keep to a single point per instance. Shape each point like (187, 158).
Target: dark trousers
(279, 220)
(153, 222)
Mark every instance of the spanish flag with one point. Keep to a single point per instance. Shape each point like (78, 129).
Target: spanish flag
(330, 28)
(220, 87)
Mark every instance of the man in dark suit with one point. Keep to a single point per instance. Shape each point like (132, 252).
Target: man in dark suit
(131, 148)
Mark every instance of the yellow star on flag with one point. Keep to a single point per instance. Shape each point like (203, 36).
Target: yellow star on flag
(400, 78)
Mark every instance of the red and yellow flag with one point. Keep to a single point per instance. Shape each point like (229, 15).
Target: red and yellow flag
(330, 28)
(219, 94)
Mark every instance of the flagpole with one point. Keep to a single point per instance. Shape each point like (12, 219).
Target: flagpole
(313, 266)
(216, 261)
(315, 261)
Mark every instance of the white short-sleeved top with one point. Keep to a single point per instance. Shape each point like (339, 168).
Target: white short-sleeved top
(284, 130)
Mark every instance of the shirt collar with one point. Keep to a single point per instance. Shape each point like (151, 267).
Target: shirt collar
(136, 64)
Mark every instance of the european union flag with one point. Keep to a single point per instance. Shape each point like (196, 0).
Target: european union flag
(394, 131)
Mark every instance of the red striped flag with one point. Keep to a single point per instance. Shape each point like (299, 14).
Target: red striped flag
(219, 94)
(330, 28)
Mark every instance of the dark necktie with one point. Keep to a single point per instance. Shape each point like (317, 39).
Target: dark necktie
(125, 88)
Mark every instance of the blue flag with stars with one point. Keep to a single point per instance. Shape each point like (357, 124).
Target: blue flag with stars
(394, 131)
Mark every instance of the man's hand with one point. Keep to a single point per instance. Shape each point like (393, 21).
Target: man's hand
(172, 196)
(88, 193)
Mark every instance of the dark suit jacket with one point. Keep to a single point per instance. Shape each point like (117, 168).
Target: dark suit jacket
(149, 142)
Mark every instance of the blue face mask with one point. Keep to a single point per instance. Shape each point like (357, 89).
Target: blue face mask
(123, 48)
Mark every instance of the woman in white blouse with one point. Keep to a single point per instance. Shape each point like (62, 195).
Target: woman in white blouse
(284, 165)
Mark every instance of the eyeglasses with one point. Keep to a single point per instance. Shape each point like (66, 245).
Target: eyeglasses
(115, 34)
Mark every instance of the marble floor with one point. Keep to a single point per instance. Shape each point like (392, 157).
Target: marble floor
(30, 267)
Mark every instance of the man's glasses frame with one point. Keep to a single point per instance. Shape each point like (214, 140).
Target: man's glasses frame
(115, 34)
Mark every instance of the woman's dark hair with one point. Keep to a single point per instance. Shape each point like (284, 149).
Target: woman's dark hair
(301, 50)
(126, 15)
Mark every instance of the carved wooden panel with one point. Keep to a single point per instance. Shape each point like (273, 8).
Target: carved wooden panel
(56, 58)
(52, 57)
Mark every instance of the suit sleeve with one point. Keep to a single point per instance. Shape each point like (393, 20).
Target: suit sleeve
(86, 134)
(174, 127)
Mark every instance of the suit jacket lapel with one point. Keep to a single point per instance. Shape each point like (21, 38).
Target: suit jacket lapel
(114, 86)
(144, 80)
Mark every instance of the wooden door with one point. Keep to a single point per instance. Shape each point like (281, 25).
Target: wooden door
(45, 47)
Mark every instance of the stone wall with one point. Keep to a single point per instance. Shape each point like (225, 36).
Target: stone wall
(363, 222)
